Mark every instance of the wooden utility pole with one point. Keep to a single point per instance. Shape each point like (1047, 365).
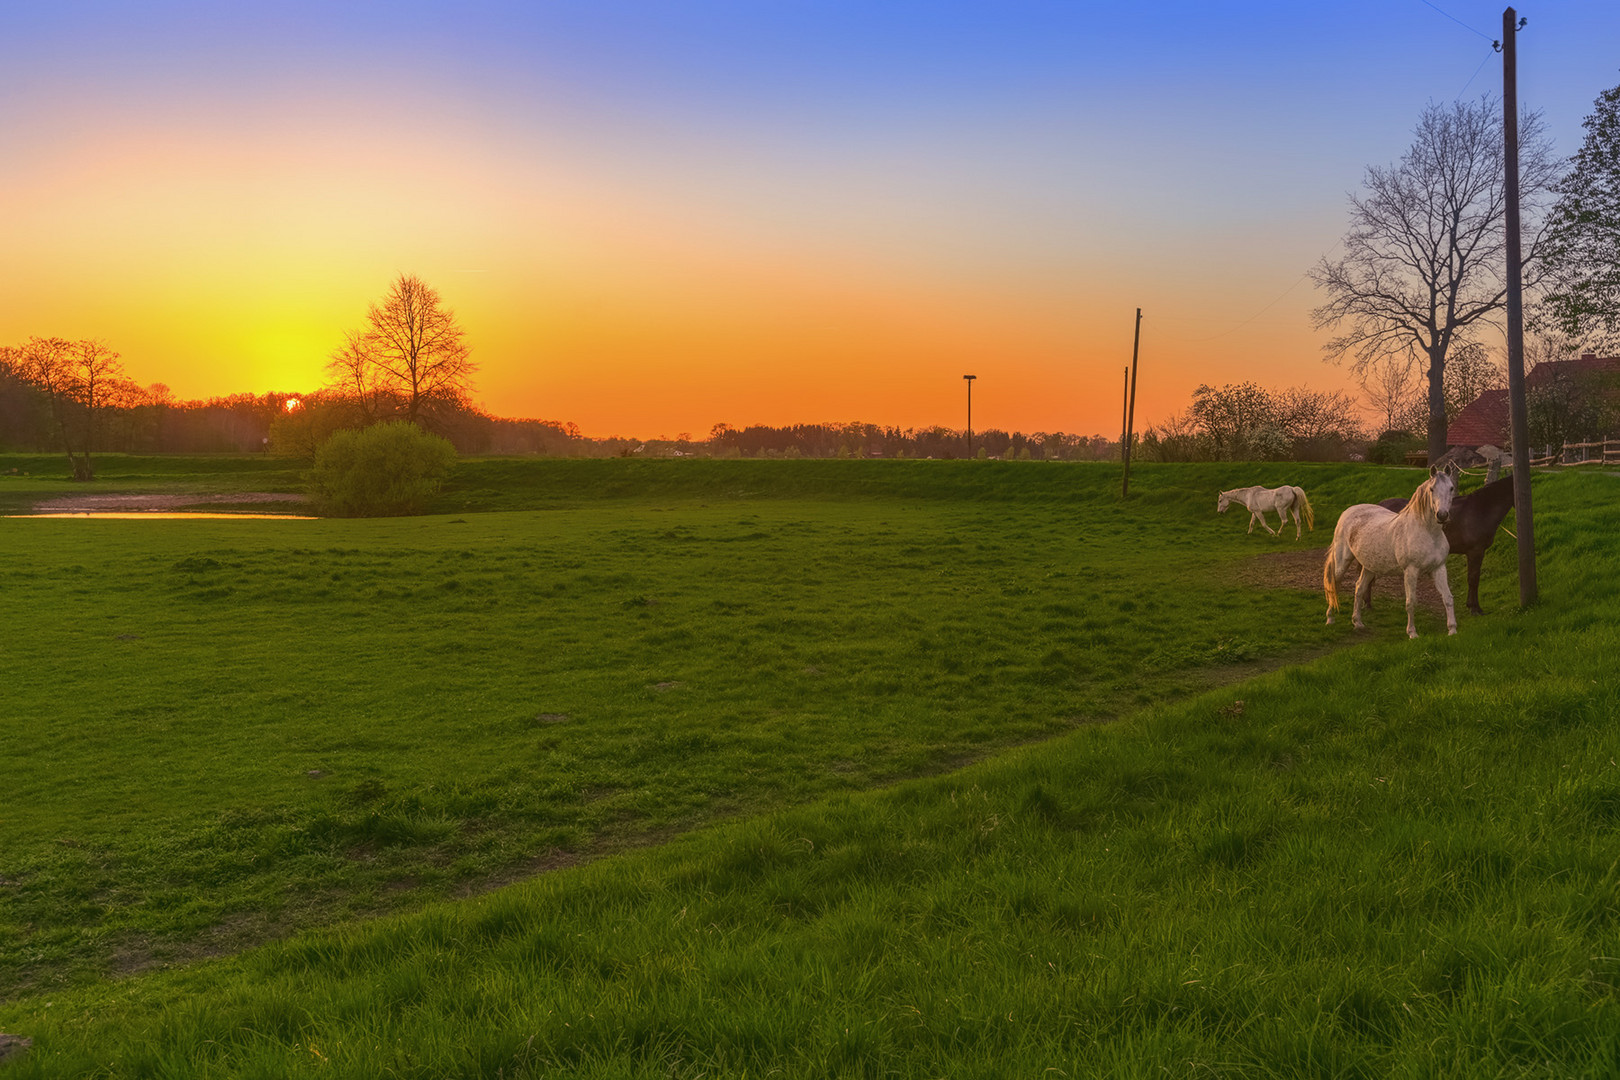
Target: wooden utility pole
(1130, 408)
(1518, 411)
(1124, 408)
(969, 380)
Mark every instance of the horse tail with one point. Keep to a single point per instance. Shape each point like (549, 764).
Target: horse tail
(1310, 514)
(1330, 581)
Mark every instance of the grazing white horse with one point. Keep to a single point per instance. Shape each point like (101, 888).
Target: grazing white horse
(1284, 500)
(1383, 541)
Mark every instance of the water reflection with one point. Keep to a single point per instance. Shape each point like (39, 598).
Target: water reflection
(130, 515)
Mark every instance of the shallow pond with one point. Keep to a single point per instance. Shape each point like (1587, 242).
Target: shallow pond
(130, 515)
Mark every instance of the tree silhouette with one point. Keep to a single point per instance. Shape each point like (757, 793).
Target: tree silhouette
(80, 379)
(1424, 262)
(410, 360)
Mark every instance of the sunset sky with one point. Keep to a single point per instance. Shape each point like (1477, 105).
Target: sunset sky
(655, 216)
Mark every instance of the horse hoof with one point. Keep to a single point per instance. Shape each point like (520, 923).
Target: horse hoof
(1449, 633)
(1413, 633)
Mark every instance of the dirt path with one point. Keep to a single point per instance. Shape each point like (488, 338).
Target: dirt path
(1303, 570)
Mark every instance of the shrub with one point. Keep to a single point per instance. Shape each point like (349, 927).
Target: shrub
(1391, 447)
(379, 471)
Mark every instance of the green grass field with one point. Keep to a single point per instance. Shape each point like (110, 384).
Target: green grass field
(1392, 859)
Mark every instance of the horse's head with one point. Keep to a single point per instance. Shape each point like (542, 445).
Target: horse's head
(1442, 489)
(1223, 502)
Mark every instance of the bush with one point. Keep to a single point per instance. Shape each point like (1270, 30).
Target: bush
(379, 471)
(1392, 446)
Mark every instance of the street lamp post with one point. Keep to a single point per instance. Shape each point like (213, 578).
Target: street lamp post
(969, 379)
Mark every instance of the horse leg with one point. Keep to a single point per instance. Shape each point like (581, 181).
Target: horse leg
(1297, 533)
(1264, 524)
(1475, 560)
(1411, 601)
(1363, 594)
(1251, 522)
(1443, 585)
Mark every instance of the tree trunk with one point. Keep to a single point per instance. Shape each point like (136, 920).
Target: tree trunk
(1437, 404)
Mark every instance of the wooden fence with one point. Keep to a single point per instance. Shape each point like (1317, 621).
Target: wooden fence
(1606, 452)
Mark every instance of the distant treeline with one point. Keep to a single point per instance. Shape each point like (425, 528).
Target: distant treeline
(872, 440)
(55, 397)
(151, 420)
(49, 403)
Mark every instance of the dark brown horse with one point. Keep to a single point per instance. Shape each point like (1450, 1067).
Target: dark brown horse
(1471, 530)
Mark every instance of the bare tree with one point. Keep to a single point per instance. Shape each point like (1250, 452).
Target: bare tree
(1424, 261)
(1545, 348)
(357, 382)
(1470, 371)
(1176, 438)
(1390, 388)
(79, 379)
(411, 358)
(1315, 415)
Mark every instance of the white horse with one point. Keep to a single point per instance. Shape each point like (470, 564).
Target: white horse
(1412, 541)
(1284, 500)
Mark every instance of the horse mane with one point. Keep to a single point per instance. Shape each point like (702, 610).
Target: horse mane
(1421, 504)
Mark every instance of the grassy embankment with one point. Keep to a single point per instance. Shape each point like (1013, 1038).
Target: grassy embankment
(1397, 858)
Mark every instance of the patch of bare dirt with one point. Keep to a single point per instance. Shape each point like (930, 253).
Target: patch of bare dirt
(137, 953)
(1303, 570)
(553, 859)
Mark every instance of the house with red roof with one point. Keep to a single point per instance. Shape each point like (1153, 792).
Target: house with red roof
(1485, 421)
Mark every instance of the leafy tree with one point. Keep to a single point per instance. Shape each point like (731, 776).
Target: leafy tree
(1424, 261)
(384, 470)
(1269, 442)
(411, 360)
(1245, 420)
(1583, 253)
(1571, 406)
(1391, 447)
(1230, 415)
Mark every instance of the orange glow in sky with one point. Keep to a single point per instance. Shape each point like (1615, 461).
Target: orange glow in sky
(650, 226)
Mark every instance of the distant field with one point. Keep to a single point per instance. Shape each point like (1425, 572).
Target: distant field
(222, 732)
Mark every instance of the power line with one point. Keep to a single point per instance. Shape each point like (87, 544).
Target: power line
(1474, 76)
(1275, 301)
(1459, 22)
